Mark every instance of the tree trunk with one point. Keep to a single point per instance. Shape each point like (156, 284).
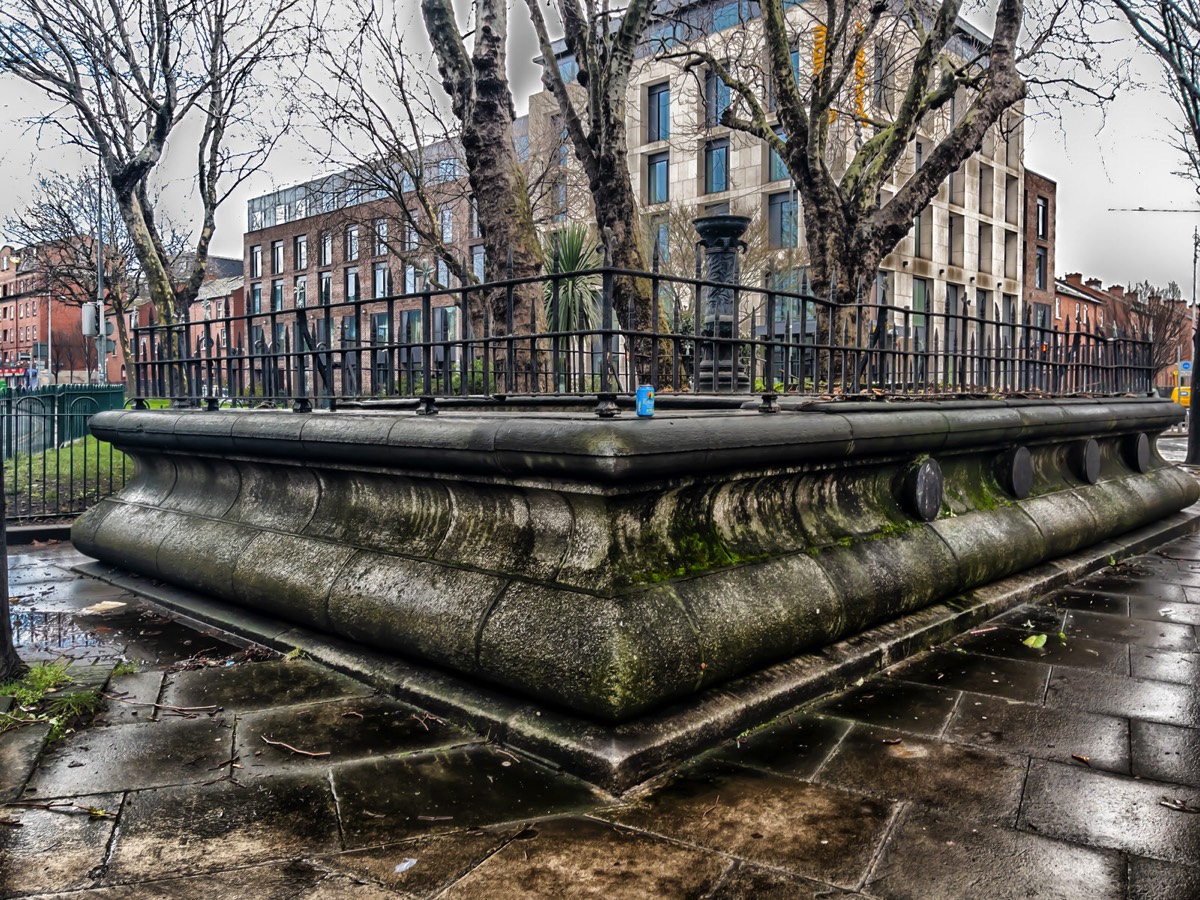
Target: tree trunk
(11, 665)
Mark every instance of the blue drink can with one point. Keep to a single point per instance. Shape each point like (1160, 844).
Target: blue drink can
(645, 401)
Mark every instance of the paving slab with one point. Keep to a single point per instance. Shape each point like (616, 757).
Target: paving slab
(131, 698)
(795, 745)
(346, 729)
(55, 849)
(241, 688)
(19, 751)
(1130, 584)
(422, 867)
(975, 783)
(1133, 698)
(1109, 811)
(1080, 653)
(210, 828)
(1166, 753)
(1161, 635)
(894, 704)
(1145, 608)
(1033, 616)
(22, 576)
(430, 793)
(929, 855)
(1022, 728)
(745, 880)
(1089, 601)
(586, 858)
(816, 831)
(133, 757)
(1165, 665)
(290, 878)
(1011, 678)
(1153, 879)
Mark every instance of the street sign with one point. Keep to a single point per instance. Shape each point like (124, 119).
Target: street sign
(1185, 366)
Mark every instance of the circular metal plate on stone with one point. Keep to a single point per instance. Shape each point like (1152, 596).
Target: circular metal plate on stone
(1085, 460)
(923, 490)
(1016, 472)
(1136, 448)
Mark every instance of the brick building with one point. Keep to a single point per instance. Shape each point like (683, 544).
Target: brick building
(1038, 284)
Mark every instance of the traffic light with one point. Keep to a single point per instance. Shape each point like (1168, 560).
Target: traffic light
(91, 319)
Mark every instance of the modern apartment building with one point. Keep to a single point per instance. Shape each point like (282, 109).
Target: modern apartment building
(966, 248)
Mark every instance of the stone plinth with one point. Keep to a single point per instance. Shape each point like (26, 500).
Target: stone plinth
(609, 567)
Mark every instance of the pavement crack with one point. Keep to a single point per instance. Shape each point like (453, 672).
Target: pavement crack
(877, 855)
(337, 808)
(110, 847)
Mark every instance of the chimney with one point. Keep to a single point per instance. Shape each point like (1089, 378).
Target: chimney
(1093, 283)
(1117, 291)
(1075, 278)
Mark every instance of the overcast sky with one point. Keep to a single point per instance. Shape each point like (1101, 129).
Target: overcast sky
(1121, 161)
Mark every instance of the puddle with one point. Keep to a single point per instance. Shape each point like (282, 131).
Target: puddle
(54, 634)
(135, 632)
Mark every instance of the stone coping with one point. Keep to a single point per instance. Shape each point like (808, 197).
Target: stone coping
(608, 453)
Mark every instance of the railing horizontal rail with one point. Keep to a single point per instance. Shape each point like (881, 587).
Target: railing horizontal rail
(604, 331)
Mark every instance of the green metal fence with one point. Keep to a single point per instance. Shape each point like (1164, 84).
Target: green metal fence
(52, 466)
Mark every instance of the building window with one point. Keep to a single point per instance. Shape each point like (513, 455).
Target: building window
(657, 184)
(351, 242)
(255, 298)
(381, 236)
(716, 99)
(716, 166)
(658, 113)
(410, 279)
(300, 251)
(446, 224)
(256, 261)
(474, 221)
(1043, 218)
(409, 243)
(443, 274)
(660, 233)
(1057, 307)
(300, 292)
(351, 285)
(777, 170)
(325, 254)
(325, 287)
(276, 294)
(478, 259)
(1039, 269)
(919, 155)
(383, 280)
(781, 220)
(276, 257)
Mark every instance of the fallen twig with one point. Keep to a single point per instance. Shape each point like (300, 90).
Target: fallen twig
(1179, 805)
(293, 749)
(162, 705)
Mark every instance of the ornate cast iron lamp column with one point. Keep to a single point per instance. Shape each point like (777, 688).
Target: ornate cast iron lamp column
(721, 237)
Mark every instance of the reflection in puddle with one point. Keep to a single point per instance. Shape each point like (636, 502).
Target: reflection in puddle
(51, 632)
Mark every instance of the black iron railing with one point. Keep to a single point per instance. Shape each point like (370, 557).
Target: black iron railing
(52, 466)
(702, 337)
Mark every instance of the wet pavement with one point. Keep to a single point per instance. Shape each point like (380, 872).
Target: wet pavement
(1053, 752)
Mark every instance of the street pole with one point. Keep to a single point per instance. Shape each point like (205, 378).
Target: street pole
(1193, 445)
(101, 337)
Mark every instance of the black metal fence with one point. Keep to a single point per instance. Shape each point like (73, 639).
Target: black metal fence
(697, 336)
(52, 467)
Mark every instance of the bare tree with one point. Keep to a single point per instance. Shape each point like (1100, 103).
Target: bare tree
(476, 81)
(59, 227)
(883, 76)
(603, 43)
(1161, 316)
(125, 77)
(388, 127)
(1171, 28)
